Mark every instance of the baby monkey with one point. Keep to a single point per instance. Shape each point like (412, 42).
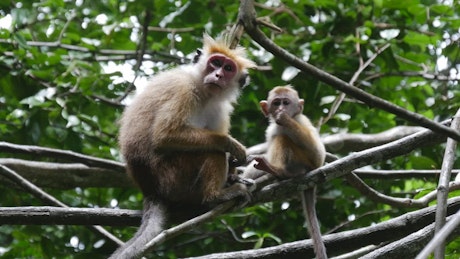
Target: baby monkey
(294, 148)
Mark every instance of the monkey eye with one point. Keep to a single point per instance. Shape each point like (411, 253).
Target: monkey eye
(228, 68)
(286, 102)
(276, 103)
(216, 62)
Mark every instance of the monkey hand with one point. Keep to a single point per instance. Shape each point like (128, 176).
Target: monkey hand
(237, 151)
(263, 164)
(281, 117)
(237, 191)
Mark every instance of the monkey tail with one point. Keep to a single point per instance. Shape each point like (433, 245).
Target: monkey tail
(308, 202)
(153, 220)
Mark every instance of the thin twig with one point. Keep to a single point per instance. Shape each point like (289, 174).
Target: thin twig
(362, 67)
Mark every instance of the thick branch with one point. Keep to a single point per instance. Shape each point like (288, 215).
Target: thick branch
(68, 216)
(47, 198)
(347, 142)
(66, 176)
(247, 16)
(338, 243)
(6, 147)
(409, 246)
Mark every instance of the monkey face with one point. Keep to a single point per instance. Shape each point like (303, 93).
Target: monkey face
(282, 100)
(220, 71)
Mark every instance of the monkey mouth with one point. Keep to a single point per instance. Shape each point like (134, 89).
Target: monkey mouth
(215, 85)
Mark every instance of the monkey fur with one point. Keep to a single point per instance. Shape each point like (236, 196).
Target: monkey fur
(174, 137)
(294, 148)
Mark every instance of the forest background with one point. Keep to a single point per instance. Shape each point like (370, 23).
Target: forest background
(68, 68)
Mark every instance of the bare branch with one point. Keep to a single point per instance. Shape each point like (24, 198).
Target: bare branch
(186, 226)
(441, 236)
(388, 174)
(374, 195)
(6, 147)
(409, 246)
(69, 216)
(362, 67)
(393, 229)
(66, 175)
(446, 169)
(48, 199)
(346, 142)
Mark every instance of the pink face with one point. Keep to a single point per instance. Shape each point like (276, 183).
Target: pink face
(220, 71)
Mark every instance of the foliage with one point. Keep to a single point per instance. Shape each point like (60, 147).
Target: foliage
(66, 67)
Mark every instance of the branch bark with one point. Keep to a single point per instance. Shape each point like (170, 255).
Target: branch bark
(47, 198)
(65, 155)
(66, 175)
(47, 215)
(406, 247)
(443, 190)
(343, 242)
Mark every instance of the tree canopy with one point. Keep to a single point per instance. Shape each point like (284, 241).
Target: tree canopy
(380, 80)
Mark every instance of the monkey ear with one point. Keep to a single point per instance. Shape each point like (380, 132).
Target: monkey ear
(264, 107)
(301, 102)
(197, 56)
(244, 80)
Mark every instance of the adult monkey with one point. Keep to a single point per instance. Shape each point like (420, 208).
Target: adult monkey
(294, 148)
(174, 138)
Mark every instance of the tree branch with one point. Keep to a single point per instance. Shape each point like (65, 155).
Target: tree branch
(66, 175)
(66, 155)
(247, 16)
(442, 235)
(407, 247)
(376, 196)
(443, 185)
(346, 142)
(391, 230)
(45, 197)
(186, 226)
(349, 142)
(46, 215)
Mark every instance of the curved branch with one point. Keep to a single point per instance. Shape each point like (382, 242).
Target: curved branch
(67, 155)
(247, 16)
(66, 175)
(374, 195)
(346, 142)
